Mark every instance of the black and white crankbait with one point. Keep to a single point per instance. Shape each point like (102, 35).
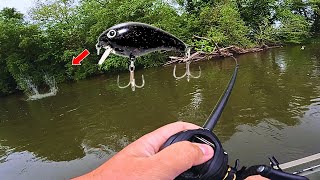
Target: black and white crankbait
(133, 39)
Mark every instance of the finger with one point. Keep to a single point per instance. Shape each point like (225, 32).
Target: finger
(150, 144)
(257, 177)
(180, 157)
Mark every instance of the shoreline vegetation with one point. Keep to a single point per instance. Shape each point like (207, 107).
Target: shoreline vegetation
(218, 52)
(229, 51)
(44, 41)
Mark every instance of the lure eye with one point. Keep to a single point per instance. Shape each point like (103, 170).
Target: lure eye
(112, 34)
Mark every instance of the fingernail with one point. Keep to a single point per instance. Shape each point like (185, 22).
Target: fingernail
(206, 149)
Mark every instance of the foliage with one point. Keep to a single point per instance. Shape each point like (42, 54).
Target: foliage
(225, 27)
(315, 5)
(294, 27)
(194, 7)
(266, 33)
(256, 12)
(232, 26)
(13, 33)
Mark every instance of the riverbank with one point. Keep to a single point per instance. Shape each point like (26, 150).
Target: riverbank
(219, 53)
(229, 51)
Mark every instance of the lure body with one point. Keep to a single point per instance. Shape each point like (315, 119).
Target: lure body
(134, 39)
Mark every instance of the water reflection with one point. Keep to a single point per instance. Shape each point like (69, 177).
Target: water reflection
(27, 165)
(193, 109)
(270, 112)
(272, 137)
(281, 62)
(196, 99)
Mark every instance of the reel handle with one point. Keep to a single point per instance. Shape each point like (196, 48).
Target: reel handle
(215, 168)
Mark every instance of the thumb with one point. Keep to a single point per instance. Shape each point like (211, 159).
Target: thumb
(181, 156)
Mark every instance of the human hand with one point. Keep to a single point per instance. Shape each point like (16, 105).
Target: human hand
(142, 159)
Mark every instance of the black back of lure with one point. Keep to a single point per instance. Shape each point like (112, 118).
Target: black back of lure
(133, 39)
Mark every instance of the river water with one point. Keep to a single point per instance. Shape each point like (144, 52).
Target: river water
(274, 109)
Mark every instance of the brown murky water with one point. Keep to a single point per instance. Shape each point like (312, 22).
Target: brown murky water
(274, 109)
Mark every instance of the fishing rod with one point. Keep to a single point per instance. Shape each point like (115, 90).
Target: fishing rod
(217, 167)
(217, 111)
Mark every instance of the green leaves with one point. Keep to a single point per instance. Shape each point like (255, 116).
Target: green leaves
(294, 28)
(256, 12)
(223, 26)
(7, 14)
(266, 33)
(315, 5)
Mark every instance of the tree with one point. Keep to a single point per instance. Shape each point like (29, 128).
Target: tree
(315, 4)
(194, 7)
(22, 52)
(256, 12)
(61, 22)
(223, 25)
(8, 14)
(266, 33)
(294, 28)
(9, 19)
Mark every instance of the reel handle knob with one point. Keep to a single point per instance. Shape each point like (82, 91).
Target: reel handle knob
(215, 168)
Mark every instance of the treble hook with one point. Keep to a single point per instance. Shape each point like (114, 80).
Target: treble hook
(132, 81)
(187, 73)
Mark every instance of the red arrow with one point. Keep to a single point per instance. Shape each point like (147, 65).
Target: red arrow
(80, 57)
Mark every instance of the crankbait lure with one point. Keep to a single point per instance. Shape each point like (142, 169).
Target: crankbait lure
(133, 39)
